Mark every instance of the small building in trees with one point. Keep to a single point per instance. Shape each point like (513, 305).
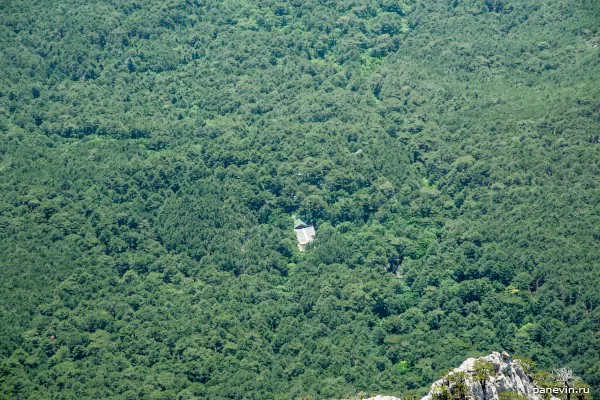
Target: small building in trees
(304, 233)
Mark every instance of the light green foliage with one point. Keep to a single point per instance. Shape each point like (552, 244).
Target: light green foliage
(511, 396)
(459, 388)
(453, 386)
(483, 371)
(441, 392)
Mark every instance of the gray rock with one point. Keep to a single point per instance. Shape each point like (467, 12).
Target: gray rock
(509, 376)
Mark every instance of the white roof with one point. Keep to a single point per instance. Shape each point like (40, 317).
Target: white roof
(305, 235)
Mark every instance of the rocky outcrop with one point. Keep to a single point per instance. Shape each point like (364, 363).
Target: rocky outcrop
(378, 397)
(484, 378)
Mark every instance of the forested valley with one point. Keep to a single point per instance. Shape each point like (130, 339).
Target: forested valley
(152, 154)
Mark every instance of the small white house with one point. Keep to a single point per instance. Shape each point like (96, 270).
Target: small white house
(304, 233)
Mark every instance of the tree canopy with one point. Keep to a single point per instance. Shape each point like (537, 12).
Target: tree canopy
(152, 155)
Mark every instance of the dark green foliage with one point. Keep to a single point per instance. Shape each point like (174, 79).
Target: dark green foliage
(152, 154)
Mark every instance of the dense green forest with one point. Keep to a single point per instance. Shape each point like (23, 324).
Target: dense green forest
(152, 154)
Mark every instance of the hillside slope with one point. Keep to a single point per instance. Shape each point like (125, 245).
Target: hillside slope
(152, 153)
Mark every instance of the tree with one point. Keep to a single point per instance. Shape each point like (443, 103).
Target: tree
(566, 377)
(483, 371)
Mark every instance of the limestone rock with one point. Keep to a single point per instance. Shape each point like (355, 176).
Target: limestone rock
(508, 376)
(361, 395)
